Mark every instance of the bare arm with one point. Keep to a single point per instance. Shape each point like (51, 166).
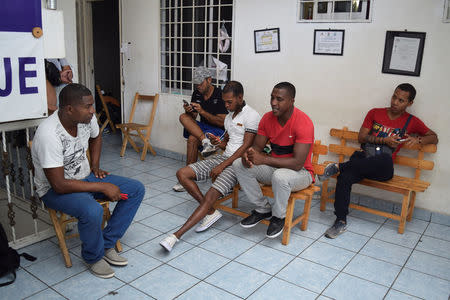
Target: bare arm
(216, 120)
(429, 138)
(61, 185)
(258, 145)
(248, 141)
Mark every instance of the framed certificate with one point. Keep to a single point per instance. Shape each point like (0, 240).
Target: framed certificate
(403, 52)
(329, 41)
(267, 40)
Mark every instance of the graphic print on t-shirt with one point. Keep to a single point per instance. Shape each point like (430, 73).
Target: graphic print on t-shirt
(379, 130)
(73, 152)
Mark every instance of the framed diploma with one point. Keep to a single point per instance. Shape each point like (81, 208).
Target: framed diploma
(403, 51)
(267, 40)
(329, 41)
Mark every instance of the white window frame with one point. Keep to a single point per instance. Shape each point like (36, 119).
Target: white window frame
(446, 14)
(331, 16)
(208, 44)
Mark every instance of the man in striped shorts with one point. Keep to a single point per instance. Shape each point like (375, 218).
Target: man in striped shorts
(241, 125)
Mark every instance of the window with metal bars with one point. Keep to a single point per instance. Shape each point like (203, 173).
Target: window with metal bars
(195, 33)
(334, 10)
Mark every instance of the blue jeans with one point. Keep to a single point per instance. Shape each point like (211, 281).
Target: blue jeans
(205, 128)
(89, 213)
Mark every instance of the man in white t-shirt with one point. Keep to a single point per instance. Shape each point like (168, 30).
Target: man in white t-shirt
(67, 182)
(241, 125)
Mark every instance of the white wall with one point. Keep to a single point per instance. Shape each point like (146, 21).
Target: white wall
(333, 91)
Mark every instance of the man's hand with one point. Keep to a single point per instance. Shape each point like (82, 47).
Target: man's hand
(215, 140)
(99, 173)
(392, 141)
(216, 172)
(245, 161)
(111, 191)
(256, 158)
(66, 76)
(197, 107)
(411, 141)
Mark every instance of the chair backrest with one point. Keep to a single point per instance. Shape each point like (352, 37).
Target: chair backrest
(105, 108)
(138, 97)
(417, 163)
(318, 149)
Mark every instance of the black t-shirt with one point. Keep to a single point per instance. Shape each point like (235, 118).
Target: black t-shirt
(214, 105)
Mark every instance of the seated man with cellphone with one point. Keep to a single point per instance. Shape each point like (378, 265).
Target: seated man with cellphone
(382, 134)
(207, 102)
(241, 125)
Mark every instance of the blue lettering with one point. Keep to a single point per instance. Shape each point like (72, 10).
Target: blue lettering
(23, 75)
(8, 81)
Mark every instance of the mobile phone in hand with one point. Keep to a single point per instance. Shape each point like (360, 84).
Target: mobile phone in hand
(185, 102)
(401, 140)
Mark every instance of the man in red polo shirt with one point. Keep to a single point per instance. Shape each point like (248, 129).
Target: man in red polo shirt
(290, 133)
(387, 129)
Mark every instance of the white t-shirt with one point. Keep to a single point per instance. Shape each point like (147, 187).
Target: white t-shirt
(54, 147)
(246, 120)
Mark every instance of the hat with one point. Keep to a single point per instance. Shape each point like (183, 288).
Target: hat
(200, 74)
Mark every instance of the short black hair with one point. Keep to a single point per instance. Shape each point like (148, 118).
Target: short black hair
(235, 87)
(72, 94)
(407, 87)
(289, 87)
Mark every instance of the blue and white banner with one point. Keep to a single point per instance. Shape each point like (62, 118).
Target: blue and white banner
(22, 73)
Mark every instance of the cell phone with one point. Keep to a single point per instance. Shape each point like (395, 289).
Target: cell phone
(185, 102)
(401, 140)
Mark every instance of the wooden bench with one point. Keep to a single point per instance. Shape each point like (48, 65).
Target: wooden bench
(305, 194)
(407, 186)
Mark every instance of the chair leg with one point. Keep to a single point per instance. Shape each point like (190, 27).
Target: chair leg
(144, 151)
(61, 238)
(324, 196)
(306, 210)
(405, 206)
(411, 206)
(234, 202)
(125, 141)
(150, 148)
(288, 221)
(103, 126)
(118, 246)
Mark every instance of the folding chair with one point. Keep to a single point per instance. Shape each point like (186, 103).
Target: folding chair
(104, 111)
(129, 127)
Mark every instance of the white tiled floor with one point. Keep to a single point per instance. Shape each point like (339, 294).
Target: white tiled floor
(370, 261)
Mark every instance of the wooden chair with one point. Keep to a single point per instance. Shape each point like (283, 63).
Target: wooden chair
(104, 111)
(60, 221)
(128, 128)
(305, 194)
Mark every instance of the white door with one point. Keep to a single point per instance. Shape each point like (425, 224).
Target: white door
(140, 48)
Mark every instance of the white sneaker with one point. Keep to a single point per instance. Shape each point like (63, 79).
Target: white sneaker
(178, 188)
(168, 242)
(208, 148)
(208, 220)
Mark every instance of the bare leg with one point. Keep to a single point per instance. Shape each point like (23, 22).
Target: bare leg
(186, 177)
(204, 208)
(191, 126)
(192, 150)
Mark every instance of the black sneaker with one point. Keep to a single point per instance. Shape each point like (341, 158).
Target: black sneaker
(275, 227)
(330, 170)
(338, 227)
(254, 219)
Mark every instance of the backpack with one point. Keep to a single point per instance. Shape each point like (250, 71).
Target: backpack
(9, 258)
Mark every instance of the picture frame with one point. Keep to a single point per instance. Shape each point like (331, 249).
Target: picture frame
(329, 42)
(403, 52)
(267, 40)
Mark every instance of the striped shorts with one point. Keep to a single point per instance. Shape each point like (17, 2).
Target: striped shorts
(224, 182)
